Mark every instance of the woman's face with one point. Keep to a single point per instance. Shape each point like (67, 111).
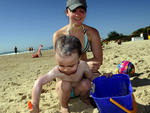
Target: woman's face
(76, 16)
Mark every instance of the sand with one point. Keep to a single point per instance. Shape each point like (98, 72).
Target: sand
(18, 73)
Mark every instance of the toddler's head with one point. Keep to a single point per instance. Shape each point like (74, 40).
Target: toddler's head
(67, 45)
(68, 50)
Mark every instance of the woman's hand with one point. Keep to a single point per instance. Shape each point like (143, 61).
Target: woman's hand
(107, 74)
(94, 66)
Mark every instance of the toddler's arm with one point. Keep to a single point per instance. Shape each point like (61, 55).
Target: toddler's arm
(36, 91)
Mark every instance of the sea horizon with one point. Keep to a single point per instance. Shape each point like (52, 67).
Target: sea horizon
(21, 51)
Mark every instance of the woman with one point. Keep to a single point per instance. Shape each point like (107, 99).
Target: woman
(89, 37)
(38, 53)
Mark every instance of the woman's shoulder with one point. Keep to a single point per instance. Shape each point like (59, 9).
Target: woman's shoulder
(90, 29)
(60, 32)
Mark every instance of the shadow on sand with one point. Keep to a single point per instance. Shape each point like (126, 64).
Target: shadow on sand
(143, 108)
(136, 81)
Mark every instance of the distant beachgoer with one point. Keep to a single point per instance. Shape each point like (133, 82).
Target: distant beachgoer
(15, 49)
(38, 53)
(30, 48)
(119, 42)
(69, 73)
(89, 37)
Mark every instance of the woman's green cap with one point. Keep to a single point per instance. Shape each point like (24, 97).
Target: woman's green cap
(73, 4)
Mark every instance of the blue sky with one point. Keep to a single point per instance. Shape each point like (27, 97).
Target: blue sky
(25, 23)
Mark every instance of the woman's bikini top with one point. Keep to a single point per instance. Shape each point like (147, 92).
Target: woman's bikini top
(86, 41)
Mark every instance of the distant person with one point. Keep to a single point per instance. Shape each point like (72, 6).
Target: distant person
(69, 73)
(38, 53)
(30, 48)
(89, 37)
(15, 50)
(119, 42)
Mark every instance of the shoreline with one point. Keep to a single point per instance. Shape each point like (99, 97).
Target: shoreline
(19, 52)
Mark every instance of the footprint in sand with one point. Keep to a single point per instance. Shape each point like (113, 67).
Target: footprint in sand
(18, 112)
(11, 100)
(19, 75)
(23, 97)
(46, 105)
(20, 94)
(44, 91)
(38, 72)
(15, 84)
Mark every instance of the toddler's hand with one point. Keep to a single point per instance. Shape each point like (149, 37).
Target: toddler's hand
(32, 108)
(34, 111)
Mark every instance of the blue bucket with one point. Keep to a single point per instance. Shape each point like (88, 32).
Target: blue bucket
(117, 87)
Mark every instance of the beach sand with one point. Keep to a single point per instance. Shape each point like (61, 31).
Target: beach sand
(18, 73)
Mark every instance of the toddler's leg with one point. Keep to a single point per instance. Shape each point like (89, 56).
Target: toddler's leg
(63, 89)
(83, 90)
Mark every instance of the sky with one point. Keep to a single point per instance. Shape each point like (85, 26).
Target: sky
(29, 23)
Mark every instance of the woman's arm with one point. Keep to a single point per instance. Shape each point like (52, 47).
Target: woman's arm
(95, 40)
(87, 72)
(96, 46)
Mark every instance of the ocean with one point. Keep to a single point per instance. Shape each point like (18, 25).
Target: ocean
(23, 51)
(13, 53)
(20, 52)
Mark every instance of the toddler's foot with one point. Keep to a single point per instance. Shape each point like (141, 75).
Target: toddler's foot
(64, 110)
